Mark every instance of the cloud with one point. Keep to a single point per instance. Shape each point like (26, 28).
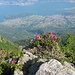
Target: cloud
(17, 2)
(27, 2)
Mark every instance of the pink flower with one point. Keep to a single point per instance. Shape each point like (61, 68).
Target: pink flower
(13, 61)
(54, 36)
(50, 33)
(37, 36)
(53, 41)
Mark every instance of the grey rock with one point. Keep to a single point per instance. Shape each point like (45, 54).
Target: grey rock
(26, 61)
(31, 55)
(26, 57)
(68, 65)
(18, 72)
(54, 67)
(34, 68)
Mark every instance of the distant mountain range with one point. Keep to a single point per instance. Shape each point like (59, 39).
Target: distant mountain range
(28, 2)
(20, 28)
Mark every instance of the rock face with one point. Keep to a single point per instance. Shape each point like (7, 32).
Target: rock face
(26, 61)
(54, 67)
(32, 66)
(27, 56)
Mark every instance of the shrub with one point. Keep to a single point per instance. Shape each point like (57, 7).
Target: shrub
(8, 69)
(46, 45)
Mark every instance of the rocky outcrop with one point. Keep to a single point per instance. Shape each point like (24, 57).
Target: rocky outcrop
(34, 66)
(26, 61)
(54, 67)
(26, 57)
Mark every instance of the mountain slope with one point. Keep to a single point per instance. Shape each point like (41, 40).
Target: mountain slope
(7, 45)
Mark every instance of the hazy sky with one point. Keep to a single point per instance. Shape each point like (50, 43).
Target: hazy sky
(27, 2)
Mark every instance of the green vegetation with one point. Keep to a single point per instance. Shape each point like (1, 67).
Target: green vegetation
(9, 56)
(8, 69)
(68, 47)
(7, 45)
(48, 46)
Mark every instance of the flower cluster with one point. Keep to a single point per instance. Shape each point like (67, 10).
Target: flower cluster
(53, 36)
(44, 40)
(37, 36)
(46, 45)
(13, 61)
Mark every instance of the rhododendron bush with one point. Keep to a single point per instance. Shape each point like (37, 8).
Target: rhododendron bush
(46, 45)
(44, 40)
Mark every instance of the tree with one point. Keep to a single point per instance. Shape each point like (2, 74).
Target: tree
(68, 47)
